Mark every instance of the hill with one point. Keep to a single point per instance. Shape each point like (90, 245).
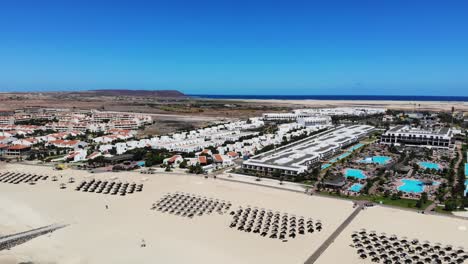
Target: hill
(152, 93)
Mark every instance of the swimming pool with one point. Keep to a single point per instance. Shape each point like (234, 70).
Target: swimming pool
(429, 165)
(340, 157)
(466, 170)
(355, 173)
(466, 187)
(377, 160)
(353, 148)
(327, 165)
(411, 186)
(355, 187)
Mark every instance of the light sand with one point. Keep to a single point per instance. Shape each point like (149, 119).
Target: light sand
(400, 105)
(97, 235)
(445, 230)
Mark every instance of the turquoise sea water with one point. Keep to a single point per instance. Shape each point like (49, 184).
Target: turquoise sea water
(429, 165)
(411, 186)
(355, 187)
(376, 160)
(355, 173)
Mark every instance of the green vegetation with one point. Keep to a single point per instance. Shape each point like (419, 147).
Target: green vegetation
(400, 202)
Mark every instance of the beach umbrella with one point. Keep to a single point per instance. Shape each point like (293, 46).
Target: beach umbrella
(363, 256)
(448, 247)
(375, 259)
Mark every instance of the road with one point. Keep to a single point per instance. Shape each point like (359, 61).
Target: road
(335, 234)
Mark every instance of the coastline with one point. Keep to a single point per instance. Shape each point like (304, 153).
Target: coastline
(388, 104)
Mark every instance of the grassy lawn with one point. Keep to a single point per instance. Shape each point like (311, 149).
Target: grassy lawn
(404, 203)
(440, 209)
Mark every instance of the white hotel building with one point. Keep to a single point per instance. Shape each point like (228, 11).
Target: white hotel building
(406, 135)
(304, 155)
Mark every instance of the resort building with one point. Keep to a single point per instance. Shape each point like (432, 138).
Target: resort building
(17, 150)
(279, 116)
(407, 135)
(304, 155)
(340, 111)
(318, 120)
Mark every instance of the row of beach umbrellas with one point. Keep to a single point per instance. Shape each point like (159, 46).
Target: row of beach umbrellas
(271, 224)
(17, 178)
(383, 248)
(109, 187)
(190, 205)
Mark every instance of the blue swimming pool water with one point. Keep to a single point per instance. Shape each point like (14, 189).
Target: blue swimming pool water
(376, 160)
(355, 187)
(357, 146)
(429, 165)
(411, 186)
(354, 173)
(340, 157)
(327, 165)
(466, 187)
(466, 170)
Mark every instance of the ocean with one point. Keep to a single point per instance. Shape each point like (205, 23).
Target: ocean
(338, 97)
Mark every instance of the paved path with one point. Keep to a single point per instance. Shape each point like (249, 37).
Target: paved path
(9, 241)
(431, 207)
(334, 235)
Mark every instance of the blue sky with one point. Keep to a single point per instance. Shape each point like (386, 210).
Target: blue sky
(237, 47)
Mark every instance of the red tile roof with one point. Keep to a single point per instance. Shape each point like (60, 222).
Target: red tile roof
(173, 158)
(18, 147)
(218, 158)
(202, 159)
(2, 146)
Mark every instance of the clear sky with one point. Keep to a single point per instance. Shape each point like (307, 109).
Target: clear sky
(375, 47)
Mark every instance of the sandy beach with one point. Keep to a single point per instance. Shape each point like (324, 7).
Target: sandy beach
(441, 229)
(97, 235)
(397, 105)
(114, 235)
